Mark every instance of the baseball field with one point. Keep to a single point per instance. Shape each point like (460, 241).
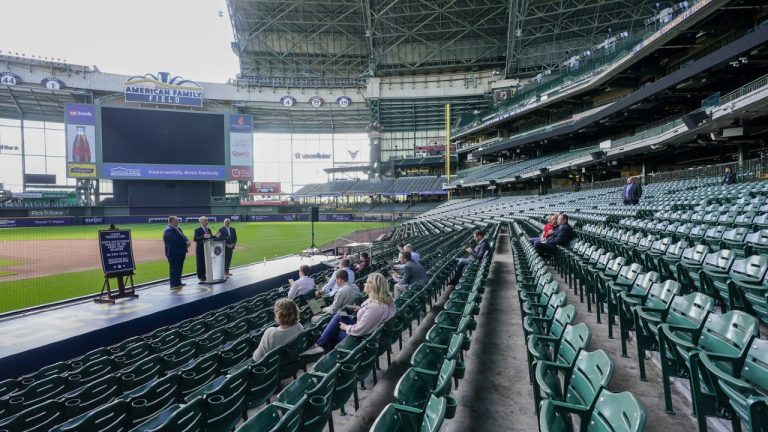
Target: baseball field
(43, 265)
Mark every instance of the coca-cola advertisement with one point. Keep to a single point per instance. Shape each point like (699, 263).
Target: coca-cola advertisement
(81, 140)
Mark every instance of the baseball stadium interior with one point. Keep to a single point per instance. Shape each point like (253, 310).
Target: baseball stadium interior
(584, 184)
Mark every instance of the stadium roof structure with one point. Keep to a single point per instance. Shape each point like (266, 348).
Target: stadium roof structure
(352, 39)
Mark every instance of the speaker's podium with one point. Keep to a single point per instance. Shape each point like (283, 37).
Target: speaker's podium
(213, 249)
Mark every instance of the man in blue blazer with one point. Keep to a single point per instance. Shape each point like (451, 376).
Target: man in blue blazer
(202, 234)
(229, 235)
(176, 244)
(562, 234)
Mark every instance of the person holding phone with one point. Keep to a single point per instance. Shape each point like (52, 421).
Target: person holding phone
(379, 308)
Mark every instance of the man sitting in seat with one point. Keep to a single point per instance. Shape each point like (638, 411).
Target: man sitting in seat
(475, 255)
(412, 273)
(330, 287)
(345, 294)
(548, 228)
(304, 285)
(560, 236)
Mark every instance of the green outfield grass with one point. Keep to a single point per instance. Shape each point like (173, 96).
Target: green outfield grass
(259, 240)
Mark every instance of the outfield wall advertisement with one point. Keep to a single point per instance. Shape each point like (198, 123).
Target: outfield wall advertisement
(240, 147)
(80, 120)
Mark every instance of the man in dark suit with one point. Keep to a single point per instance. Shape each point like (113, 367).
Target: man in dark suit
(229, 235)
(475, 254)
(176, 244)
(562, 234)
(632, 191)
(202, 234)
(729, 177)
(412, 274)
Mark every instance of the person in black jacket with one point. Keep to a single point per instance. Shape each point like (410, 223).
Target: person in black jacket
(475, 254)
(229, 235)
(729, 177)
(562, 234)
(632, 191)
(176, 244)
(202, 234)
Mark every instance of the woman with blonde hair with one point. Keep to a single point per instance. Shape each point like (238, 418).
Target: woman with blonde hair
(379, 308)
(288, 327)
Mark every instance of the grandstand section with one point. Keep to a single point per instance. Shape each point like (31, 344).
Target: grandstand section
(366, 140)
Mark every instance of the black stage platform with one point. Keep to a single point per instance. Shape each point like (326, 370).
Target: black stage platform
(32, 341)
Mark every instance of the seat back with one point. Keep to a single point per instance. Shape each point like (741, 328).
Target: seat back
(755, 369)
(644, 282)
(620, 412)
(591, 372)
(729, 334)
(690, 310)
(660, 295)
(575, 338)
(563, 317)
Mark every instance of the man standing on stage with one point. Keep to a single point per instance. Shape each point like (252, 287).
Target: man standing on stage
(176, 244)
(202, 234)
(229, 235)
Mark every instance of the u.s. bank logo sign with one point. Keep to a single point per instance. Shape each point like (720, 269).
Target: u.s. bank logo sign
(163, 89)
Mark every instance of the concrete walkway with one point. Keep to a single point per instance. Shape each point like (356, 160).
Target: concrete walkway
(495, 394)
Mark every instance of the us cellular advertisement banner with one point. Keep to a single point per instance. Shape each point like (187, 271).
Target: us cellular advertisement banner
(80, 120)
(240, 147)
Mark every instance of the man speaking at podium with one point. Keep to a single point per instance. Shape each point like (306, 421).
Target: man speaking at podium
(202, 234)
(229, 235)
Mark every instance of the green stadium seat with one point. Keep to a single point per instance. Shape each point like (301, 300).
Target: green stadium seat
(92, 395)
(177, 418)
(580, 383)
(167, 341)
(416, 385)
(575, 339)
(345, 367)
(275, 418)
(687, 311)
(142, 372)
(235, 352)
(111, 417)
(180, 355)
(401, 418)
(224, 400)
(34, 394)
(727, 336)
(613, 412)
(199, 372)
(151, 398)
(318, 389)
(264, 377)
(737, 392)
(39, 418)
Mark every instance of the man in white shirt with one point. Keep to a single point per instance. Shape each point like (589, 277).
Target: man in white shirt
(304, 285)
(331, 286)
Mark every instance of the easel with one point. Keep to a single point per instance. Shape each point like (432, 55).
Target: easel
(122, 292)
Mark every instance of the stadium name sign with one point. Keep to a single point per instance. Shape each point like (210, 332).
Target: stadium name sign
(163, 89)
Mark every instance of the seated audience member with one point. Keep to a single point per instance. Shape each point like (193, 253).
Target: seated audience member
(288, 327)
(560, 236)
(331, 286)
(729, 177)
(304, 285)
(415, 256)
(481, 248)
(379, 308)
(412, 273)
(363, 263)
(345, 294)
(548, 228)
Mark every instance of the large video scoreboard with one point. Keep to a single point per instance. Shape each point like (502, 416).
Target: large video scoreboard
(141, 144)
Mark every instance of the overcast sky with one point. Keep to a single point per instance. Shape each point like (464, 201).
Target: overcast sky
(183, 37)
